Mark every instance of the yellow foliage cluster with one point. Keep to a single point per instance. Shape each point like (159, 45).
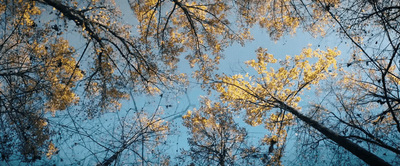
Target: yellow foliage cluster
(213, 130)
(32, 9)
(259, 94)
(211, 117)
(296, 74)
(189, 26)
(51, 150)
(25, 11)
(283, 17)
(60, 70)
(152, 126)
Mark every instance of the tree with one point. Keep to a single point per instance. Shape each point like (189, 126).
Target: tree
(352, 107)
(281, 90)
(37, 76)
(216, 139)
(355, 103)
(360, 107)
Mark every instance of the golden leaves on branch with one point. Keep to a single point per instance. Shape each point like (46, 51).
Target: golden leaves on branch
(294, 74)
(214, 132)
(259, 94)
(60, 70)
(202, 31)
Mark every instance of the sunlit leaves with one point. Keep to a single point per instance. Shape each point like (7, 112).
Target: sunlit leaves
(38, 74)
(294, 74)
(51, 150)
(59, 69)
(284, 17)
(215, 136)
(200, 28)
(28, 10)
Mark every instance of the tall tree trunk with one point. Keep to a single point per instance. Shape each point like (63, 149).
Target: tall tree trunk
(352, 147)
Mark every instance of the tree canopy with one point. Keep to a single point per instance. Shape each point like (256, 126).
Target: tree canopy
(100, 74)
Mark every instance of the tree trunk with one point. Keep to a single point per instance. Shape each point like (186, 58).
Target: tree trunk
(352, 147)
